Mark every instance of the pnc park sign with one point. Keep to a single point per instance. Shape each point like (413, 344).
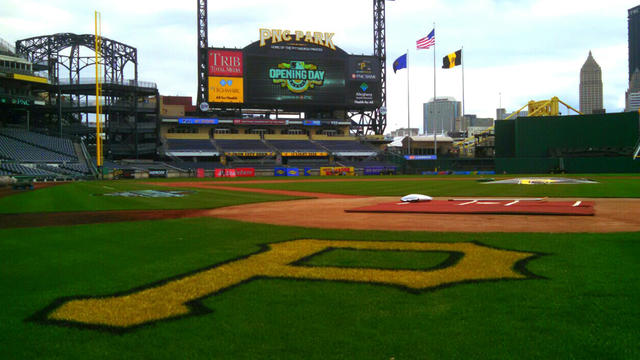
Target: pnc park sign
(275, 36)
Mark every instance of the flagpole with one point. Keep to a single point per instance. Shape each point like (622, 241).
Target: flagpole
(435, 139)
(408, 108)
(462, 63)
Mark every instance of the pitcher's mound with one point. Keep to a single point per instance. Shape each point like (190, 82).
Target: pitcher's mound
(484, 206)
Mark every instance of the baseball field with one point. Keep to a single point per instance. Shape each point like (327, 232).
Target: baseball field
(267, 268)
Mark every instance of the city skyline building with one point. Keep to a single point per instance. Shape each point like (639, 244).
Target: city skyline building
(405, 132)
(632, 96)
(440, 114)
(634, 39)
(590, 86)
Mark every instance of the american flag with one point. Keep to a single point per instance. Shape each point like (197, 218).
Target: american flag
(427, 41)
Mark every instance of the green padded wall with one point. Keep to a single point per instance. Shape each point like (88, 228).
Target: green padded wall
(505, 138)
(535, 136)
(532, 144)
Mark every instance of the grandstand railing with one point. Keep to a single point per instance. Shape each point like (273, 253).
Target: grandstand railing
(92, 81)
(12, 70)
(87, 157)
(92, 102)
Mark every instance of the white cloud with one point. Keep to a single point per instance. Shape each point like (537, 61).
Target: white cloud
(524, 49)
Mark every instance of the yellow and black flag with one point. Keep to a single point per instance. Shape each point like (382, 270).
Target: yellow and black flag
(451, 60)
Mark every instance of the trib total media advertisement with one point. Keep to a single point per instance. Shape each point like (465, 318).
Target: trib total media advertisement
(295, 70)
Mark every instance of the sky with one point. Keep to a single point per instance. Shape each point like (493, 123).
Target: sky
(514, 50)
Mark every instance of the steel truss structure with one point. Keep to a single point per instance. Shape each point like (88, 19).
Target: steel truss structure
(363, 122)
(130, 120)
(203, 45)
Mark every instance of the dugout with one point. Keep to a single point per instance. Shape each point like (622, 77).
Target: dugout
(598, 143)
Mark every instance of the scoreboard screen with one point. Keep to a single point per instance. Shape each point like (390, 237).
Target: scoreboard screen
(293, 74)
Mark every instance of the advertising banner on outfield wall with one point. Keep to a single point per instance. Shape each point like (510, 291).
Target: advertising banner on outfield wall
(237, 172)
(337, 171)
(379, 170)
(280, 171)
(124, 173)
(157, 173)
(245, 172)
(225, 173)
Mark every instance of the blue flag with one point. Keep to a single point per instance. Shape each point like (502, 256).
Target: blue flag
(400, 63)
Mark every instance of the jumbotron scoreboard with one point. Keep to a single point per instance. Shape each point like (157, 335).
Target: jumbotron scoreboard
(293, 70)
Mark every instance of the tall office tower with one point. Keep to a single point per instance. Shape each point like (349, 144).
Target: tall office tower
(634, 40)
(440, 115)
(590, 86)
(633, 93)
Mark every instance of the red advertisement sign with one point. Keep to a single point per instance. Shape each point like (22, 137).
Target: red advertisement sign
(225, 173)
(200, 172)
(238, 172)
(225, 63)
(245, 172)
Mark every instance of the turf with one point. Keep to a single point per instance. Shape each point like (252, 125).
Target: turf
(607, 186)
(350, 258)
(584, 307)
(89, 196)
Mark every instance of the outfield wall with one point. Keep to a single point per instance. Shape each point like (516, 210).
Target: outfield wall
(596, 143)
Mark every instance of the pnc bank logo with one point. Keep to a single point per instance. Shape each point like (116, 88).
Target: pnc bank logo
(297, 76)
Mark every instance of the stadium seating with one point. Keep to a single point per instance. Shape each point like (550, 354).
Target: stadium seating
(267, 163)
(296, 146)
(17, 169)
(79, 168)
(247, 146)
(190, 145)
(308, 163)
(22, 151)
(346, 146)
(59, 145)
(25, 153)
(368, 163)
(188, 165)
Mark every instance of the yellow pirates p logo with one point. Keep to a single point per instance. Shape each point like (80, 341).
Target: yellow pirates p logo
(180, 296)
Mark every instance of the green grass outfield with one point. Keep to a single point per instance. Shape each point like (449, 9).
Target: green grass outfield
(582, 304)
(89, 196)
(624, 186)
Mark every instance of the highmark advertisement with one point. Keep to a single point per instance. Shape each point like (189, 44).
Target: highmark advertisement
(226, 89)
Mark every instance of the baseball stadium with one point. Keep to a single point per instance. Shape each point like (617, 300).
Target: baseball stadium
(273, 218)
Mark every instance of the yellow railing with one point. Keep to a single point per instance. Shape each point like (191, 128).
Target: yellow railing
(325, 137)
(187, 136)
(285, 137)
(236, 136)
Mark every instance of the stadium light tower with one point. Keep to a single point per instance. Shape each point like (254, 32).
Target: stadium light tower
(379, 49)
(203, 44)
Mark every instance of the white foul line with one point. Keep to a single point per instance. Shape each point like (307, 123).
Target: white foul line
(513, 202)
(468, 202)
(577, 203)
